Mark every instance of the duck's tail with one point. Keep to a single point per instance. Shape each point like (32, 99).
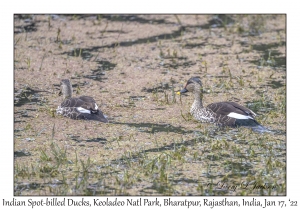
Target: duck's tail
(261, 129)
(254, 125)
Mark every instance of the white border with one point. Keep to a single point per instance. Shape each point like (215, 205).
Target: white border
(154, 6)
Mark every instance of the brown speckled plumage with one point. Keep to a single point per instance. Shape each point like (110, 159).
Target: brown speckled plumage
(83, 107)
(221, 113)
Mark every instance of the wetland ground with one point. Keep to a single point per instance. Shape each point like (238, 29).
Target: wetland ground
(133, 65)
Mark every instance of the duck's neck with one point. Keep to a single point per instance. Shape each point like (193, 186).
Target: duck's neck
(198, 99)
(67, 91)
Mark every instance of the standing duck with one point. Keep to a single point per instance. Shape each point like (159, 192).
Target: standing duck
(83, 107)
(221, 113)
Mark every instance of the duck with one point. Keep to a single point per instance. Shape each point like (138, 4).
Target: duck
(83, 107)
(223, 114)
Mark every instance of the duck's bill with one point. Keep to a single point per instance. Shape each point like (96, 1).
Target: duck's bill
(184, 90)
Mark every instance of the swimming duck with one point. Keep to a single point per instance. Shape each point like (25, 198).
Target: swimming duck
(83, 107)
(221, 113)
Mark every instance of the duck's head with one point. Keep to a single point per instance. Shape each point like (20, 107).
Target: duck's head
(66, 88)
(193, 85)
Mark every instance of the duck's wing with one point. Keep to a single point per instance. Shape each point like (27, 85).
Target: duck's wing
(90, 102)
(79, 113)
(232, 109)
(82, 109)
(247, 111)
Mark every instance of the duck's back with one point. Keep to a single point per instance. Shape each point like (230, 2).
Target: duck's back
(85, 102)
(87, 99)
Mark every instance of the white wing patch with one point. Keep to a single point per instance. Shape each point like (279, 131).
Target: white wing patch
(96, 107)
(253, 113)
(82, 110)
(239, 116)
